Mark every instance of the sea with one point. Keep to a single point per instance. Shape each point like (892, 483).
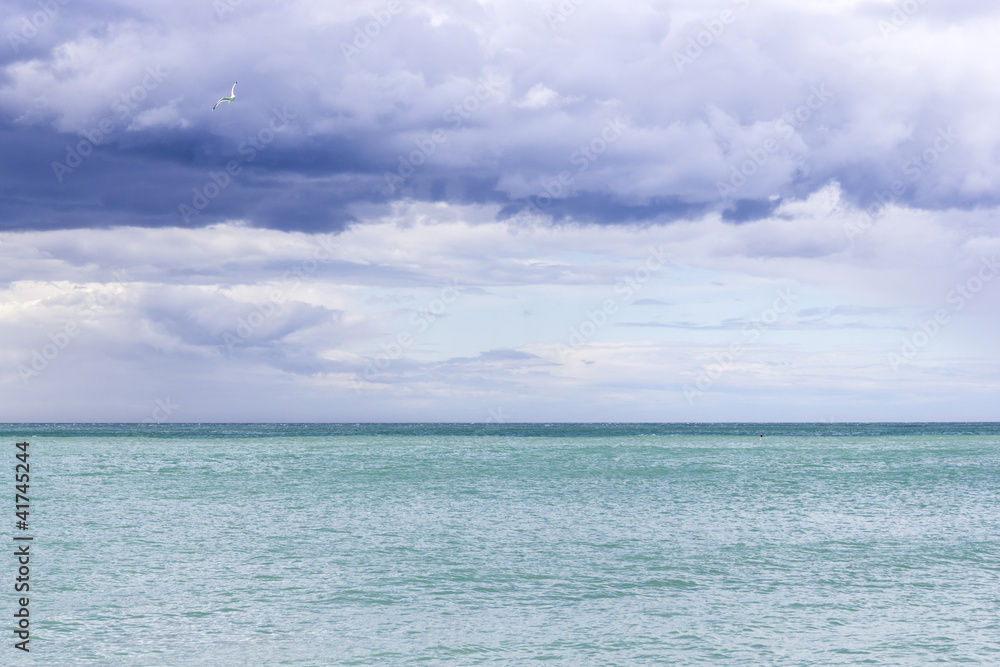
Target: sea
(581, 544)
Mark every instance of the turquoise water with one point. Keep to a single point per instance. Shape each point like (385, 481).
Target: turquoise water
(585, 544)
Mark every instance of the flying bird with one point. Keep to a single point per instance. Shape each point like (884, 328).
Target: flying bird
(232, 96)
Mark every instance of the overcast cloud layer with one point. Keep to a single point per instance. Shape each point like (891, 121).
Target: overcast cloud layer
(499, 211)
(837, 90)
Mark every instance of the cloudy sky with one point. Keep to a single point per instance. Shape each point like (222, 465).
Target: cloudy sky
(499, 210)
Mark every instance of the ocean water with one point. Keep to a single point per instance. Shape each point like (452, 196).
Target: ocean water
(584, 544)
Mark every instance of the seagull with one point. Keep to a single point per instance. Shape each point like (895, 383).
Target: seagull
(232, 96)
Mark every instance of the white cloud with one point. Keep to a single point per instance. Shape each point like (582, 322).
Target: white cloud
(538, 97)
(789, 119)
(163, 116)
(689, 129)
(315, 328)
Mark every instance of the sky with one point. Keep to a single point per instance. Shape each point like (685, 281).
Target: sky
(499, 211)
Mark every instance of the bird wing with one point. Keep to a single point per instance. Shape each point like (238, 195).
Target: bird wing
(232, 96)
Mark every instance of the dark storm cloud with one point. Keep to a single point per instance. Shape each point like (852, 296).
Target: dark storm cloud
(487, 103)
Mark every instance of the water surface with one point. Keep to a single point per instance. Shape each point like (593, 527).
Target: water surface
(588, 544)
